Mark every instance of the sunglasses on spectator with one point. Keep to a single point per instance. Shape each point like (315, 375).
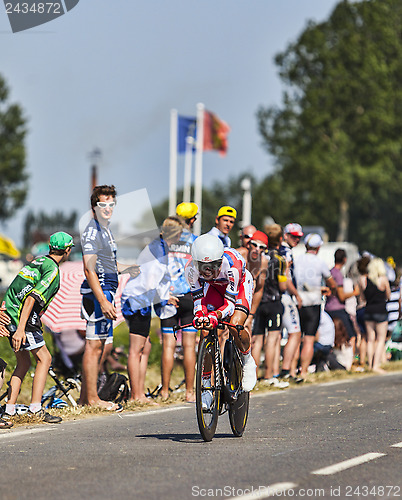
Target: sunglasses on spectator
(248, 236)
(104, 204)
(295, 236)
(259, 246)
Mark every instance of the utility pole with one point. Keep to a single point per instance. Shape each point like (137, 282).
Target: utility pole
(94, 156)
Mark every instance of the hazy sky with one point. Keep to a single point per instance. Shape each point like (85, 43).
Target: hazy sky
(108, 73)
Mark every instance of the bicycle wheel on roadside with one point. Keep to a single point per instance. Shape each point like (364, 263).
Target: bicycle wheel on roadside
(238, 410)
(207, 418)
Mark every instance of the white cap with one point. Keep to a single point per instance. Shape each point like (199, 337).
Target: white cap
(313, 240)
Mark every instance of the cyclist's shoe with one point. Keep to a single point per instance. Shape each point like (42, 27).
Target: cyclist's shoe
(206, 399)
(249, 374)
(45, 417)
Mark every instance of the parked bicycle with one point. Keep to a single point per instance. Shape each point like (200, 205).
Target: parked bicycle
(223, 387)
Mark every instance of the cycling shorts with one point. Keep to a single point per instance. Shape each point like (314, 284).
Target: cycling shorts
(268, 316)
(291, 318)
(98, 327)
(183, 316)
(139, 324)
(310, 319)
(33, 340)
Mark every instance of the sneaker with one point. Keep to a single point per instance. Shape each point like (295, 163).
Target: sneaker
(7, 416)
(274, 381)
(45, 417)
(249, 374)
(206, 399)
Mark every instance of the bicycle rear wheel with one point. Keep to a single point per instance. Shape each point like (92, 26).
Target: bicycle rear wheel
(207, 418)
(238, 409)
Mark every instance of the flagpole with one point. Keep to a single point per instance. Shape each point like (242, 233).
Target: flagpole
(198, 166)
(188, 159)
(173, 162)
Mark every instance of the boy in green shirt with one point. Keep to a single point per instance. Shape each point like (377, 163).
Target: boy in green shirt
(26, 300)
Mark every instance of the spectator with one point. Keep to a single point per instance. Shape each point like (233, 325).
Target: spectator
(376, 291)
(151, 287)
(245, 236)
(256, 263)
(310, 271)
(291, 319)
(341, 357)
(394, 302)
(335, 305)
(361, 266)
(3, 423)
(98, 289)
(254, 254)
(325, 338)
(26, 300)
(270, 309)
(224, 223)
(179, 255)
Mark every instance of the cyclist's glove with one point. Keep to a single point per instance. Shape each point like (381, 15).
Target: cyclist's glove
(199, 316)
(213, 319)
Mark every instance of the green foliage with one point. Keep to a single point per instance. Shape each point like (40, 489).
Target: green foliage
(39, 227)
(13, 176)
(336, 137)
(222, 193)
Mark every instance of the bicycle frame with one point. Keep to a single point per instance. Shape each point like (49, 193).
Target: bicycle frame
(226, 384)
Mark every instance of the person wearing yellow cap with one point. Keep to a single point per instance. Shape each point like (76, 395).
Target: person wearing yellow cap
(187, 211)
(179, 254)
(224, 223)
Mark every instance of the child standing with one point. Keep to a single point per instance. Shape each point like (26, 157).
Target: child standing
(26, 300)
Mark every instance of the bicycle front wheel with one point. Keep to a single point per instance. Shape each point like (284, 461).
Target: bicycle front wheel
(207, 416)
(238, 409)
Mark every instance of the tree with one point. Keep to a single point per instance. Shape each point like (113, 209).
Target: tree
(228, 193)
(38, 228)
(336, 138)
(13, 176)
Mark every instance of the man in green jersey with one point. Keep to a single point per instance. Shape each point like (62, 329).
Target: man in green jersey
(26, 300)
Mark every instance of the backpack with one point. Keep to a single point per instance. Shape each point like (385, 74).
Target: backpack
(113, 387)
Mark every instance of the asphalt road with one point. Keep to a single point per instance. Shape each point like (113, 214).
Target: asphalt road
(291, 440)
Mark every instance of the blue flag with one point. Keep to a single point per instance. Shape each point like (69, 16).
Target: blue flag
(186, 126)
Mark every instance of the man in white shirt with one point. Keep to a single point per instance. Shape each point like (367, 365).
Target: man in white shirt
(310, 272)
(224, 223)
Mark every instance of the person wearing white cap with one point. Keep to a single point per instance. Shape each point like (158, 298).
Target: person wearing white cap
(292, 233)
(310, 272)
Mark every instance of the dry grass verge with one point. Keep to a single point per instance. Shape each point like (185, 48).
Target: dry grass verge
(153, 379)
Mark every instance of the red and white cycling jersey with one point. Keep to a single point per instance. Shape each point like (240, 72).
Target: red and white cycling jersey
(232, 289)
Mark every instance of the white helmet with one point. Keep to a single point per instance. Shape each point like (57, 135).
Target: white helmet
(207, 248)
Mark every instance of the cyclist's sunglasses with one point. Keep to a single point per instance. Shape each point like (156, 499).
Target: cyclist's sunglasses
(204, 267)
(258, 246)
(104, 204)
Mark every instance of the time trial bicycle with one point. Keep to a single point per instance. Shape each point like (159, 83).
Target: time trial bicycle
(224, 384)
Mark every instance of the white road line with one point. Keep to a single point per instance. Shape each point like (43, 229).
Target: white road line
(154, 412)
(347, 464)
(266, 491)
(397, 445)
(15, 433)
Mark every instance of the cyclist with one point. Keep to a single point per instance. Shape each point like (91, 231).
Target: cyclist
(222, 288)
